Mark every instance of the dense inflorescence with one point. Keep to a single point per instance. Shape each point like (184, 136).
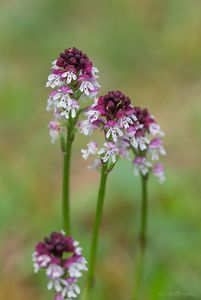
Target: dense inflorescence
(61, 257)
(126, 129)
(73, 76)
(72, 59)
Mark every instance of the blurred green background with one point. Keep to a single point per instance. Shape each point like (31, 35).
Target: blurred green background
(151, 50)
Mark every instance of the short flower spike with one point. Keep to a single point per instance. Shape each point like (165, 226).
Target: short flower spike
(61, 257)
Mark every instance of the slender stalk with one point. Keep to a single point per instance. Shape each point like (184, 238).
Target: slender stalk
(96, 230)
(144, 209)
(66, 178)
(142, 239)
(66, 146)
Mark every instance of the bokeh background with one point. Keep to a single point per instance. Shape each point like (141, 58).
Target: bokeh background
(151, 50)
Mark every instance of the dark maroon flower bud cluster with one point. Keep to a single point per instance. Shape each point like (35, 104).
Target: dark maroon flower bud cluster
(113, 105)
(72, 59)
(56, 245)
(144, 117)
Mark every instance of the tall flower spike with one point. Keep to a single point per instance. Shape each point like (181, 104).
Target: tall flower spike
(61, 258)
(145, 141)
(113, 114)
(73, 76)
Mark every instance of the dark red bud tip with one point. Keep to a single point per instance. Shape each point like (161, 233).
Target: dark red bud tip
(60, 62)
(74, 57)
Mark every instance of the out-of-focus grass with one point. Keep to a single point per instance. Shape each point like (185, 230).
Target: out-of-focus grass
(150, 50)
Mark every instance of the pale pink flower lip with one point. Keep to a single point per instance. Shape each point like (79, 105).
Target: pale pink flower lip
(156, 149)
(55, 129)
(155, 143)
(109, 151)
(158, 170)
(141, 165)
(54, 125)
(92, 148)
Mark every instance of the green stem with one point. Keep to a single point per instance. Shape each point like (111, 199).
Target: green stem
(144, 209)
(143, 238)
(66, 178)
(96, 230)
(66, 146)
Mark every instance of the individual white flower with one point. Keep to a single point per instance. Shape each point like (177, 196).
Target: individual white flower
(61, 97)
(158, 171)
(92, 148)
(125, 122)
(71, 107)
(40, 261)
(93, 115)
(70, 290)
(56, 284)
(54, 271)
(142, 142)
(50, 101)
(70, 76)
(130, 135)
(54, 130)
(63, 100)
(156, 149)
(53, 80)
(86, 87)
(110, 151)
(155, 129)
(141, 165)
(73, 291)
(115, 132)
(78, 249)
(76, 268)
(85, 127)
